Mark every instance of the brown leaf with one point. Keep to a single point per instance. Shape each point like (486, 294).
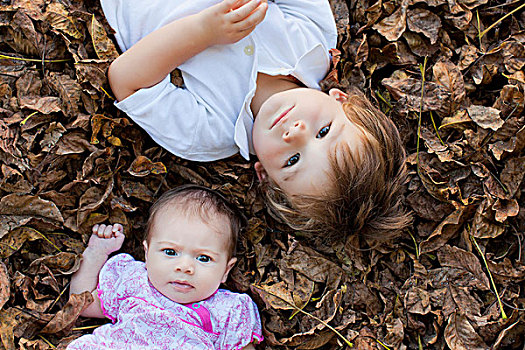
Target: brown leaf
(57, 15)
(143, 166)
(8, 321)
(514, 145)
(104, 47)
(44, 105)
(5, 291)
(314, 266)
(65, 319)
(394, 26)
(68, 89)
(11, 243)
(458, 258)
(449, 76)
(484, 224)
(512, 175)
(63, 263)
(407, 92)
(486, 117)
(22, 207)
(460, 335)
(423, 21)
(504, 208)
(52, 134)
(468, 54)
(417, 301)
(447, 229)
(276, 296)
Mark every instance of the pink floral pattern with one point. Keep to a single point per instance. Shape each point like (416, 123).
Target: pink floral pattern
(143, 318)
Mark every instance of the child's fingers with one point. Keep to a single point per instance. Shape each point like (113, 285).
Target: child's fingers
(243, 11)
(108, 231)
(100, 230)
(256, 17)
(95, 228)
(118, 228)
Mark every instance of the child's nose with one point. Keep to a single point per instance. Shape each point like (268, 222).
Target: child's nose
(295, 132)
(185, 265)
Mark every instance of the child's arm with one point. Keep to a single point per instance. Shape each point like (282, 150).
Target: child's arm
(249, 347)
(104, 241)
(153, 57)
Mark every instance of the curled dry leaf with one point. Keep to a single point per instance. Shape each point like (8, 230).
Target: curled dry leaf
(5, 290)
(460, 335)
(59, 18)
(423, 21)
(486, 117)
(394, 26)
(142, 166)
(104, 47)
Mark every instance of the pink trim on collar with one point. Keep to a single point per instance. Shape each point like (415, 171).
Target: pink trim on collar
(204, 315)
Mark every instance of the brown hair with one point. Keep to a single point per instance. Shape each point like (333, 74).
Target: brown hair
(194, 199)
(367, 185)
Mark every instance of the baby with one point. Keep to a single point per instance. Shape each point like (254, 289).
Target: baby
(171, 301)
(329, 163)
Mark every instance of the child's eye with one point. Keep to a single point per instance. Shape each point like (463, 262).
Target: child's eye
(170, 252)
(292, 160)
(204, 258)
(323, 132)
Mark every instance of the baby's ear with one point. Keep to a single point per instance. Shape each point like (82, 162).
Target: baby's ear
(259, 170)
(338, 95)
(230, 265)
(145, 244)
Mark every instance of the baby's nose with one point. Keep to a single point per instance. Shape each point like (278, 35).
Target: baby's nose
(184, 265)
(295, 132)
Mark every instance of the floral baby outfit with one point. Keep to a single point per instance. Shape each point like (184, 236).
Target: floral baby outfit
(143, 318)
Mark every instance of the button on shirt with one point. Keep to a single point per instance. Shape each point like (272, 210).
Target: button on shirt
(209, 118)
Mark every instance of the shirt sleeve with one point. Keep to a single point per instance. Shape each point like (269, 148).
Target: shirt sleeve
(110, 284)
(243, 325)
(180, 122)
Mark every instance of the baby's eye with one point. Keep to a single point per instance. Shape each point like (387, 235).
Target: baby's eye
(323, 132)
(292, 160)
(170, 252)
(204, 258)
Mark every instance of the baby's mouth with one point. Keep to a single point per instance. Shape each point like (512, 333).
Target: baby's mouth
(182, 285)
(281, 116)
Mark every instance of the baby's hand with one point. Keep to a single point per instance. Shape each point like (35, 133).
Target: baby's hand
(106, 239)
(231, 20)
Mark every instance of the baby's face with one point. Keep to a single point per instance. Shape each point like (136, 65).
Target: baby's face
(295, 134)
(187, 258)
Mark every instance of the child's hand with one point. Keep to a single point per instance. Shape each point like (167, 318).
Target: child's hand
(106, 239)
(231, 20)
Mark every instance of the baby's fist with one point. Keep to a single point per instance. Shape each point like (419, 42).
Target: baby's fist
(107, 238)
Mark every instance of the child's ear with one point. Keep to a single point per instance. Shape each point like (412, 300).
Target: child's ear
(338, 95)
(145, 244)
(228, 268)
(259, 170)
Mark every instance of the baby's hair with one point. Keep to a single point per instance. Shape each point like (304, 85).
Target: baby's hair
(198, 200)
(365, 198)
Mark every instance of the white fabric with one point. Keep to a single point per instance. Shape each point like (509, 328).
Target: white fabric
(210, 117)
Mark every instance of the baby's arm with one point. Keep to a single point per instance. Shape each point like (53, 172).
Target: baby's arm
(104, 241)
(153, 57)
(249, 347)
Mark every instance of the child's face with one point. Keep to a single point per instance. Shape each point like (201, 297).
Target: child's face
(187, 258)
(295, 134)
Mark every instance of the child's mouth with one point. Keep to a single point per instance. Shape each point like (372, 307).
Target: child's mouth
(181, 286)
(281, 116)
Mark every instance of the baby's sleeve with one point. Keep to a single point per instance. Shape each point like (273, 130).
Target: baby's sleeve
(243, 324)
(110, 284)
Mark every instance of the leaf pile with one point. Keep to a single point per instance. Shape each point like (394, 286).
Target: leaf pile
(448, 72)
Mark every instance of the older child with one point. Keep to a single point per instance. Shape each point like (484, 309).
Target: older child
(171, 301)
(251, 68)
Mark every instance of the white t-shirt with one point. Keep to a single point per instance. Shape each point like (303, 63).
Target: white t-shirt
(210, 117)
